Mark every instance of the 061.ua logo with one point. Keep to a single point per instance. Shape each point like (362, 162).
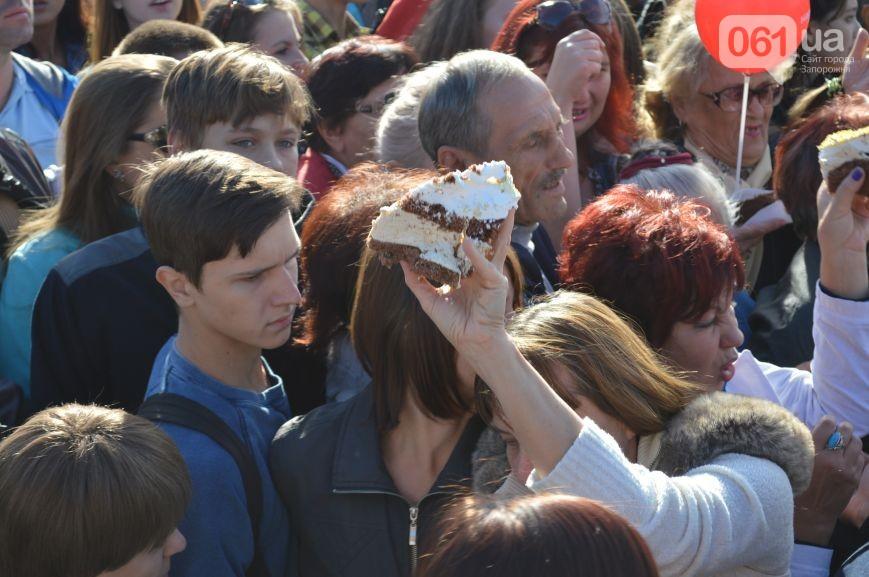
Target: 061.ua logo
(756, 41)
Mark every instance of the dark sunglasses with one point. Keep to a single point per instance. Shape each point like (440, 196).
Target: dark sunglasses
(158, 137)
(552, 13)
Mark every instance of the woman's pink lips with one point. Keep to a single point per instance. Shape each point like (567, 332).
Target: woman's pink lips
(727, 371)
(282, 322)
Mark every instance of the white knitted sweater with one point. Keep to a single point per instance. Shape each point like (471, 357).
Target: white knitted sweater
(733, 516)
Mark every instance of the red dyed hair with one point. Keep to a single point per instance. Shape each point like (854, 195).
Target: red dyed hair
(655, 258)
(520, 33)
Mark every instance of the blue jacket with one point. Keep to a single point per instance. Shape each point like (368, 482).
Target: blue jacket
(217, 524)
(28, 267)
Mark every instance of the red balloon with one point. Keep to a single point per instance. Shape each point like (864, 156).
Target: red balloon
(752, 36)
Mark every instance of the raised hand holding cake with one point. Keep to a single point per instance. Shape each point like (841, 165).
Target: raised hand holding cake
(842, 152)
(427, 225)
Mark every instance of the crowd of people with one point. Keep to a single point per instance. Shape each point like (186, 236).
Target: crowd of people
(662, 369)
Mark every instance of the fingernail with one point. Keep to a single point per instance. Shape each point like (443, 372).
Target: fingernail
(857, 174)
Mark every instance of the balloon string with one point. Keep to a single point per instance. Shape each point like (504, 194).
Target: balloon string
(742, 131)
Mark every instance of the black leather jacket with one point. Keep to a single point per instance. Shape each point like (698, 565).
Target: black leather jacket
(348, 518)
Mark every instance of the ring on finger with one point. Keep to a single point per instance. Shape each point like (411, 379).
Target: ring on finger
(835, 442)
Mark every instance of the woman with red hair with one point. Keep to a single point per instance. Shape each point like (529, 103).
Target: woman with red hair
(576, 48)
(664, 264)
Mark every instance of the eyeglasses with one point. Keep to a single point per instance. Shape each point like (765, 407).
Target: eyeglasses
(377, 108)
(730, 99)
(158, 137)
(552, 13)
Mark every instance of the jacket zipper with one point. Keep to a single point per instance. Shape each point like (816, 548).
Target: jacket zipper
(414, 516)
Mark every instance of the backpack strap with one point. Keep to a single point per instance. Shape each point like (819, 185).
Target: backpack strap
(184, 412)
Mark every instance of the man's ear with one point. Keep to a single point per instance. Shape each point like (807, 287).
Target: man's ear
(453, 158)
(177, 285)
(333, 135)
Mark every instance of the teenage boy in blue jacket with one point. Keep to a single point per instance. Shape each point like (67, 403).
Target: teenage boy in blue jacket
(220, 228)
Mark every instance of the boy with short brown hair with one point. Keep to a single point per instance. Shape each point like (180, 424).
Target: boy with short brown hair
(239, 100)
(86, 490)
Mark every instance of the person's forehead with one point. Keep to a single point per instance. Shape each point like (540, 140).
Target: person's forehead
(720, 77)
(276, 244)
(519, 106)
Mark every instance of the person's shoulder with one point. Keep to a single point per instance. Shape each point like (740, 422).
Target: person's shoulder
(36, 256)
(324, 421)
(47, 73)
(102, 255)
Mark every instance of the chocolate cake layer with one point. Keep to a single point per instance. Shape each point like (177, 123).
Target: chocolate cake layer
(842, 172)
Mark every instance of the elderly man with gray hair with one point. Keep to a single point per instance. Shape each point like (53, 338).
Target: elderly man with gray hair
(490, 106)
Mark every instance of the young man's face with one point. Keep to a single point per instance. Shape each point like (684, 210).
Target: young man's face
(268, 139)
(16, 23)
(251, 300)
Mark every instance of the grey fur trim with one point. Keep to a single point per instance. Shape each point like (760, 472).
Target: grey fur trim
(489, 465)
(720, 423)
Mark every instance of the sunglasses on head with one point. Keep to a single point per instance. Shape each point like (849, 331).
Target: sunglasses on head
(552, 13)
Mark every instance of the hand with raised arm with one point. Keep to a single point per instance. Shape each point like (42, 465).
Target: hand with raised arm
(843, 234)
(471, 317)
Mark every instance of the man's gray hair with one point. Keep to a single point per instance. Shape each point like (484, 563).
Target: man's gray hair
(448, 113)
(398, 139)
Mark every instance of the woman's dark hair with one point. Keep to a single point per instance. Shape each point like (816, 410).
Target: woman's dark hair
(520, 36)
(332, 243)
(539, 535)
(797, 173)
(449, 27)
(71, 24)
(346, 73)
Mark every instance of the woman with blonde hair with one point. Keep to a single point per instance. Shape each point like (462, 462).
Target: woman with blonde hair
(111, 20)
(114, 124)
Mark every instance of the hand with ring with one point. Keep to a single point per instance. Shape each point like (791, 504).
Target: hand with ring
(837, 470)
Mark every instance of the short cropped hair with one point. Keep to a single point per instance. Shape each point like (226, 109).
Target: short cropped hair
(655, 258)
(167, 38)
(398, 141)
(687, 181)
(448, 112)
(84, 489)
(197, 206)
(346, 73)
(230, 84)
(541, 535)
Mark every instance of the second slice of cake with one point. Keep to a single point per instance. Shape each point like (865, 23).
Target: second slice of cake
(426, 226)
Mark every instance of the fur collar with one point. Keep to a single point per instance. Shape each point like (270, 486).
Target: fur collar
(720, 423)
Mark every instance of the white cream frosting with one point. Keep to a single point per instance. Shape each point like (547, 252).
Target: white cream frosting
(436, 244)
(484, 191)
(833, 154)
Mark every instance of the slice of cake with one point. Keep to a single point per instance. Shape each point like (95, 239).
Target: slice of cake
(840, 153)
(427, 225)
